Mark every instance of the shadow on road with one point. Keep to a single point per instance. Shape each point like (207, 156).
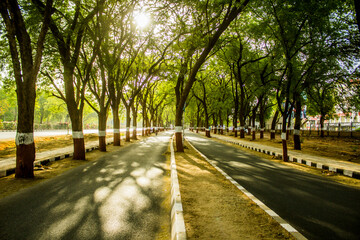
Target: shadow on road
(117, 197)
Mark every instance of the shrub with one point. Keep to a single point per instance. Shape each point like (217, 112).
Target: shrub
(9, 125)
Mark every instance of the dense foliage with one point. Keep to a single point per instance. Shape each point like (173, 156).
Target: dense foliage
(212, 63)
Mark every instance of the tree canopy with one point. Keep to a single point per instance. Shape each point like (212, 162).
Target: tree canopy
(212, 63)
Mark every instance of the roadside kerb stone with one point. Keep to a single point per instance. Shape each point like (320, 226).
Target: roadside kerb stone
(311, 163)
(270, 212)
(178, 230)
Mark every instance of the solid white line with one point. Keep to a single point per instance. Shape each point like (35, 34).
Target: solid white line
(271, 213)
(288, 227)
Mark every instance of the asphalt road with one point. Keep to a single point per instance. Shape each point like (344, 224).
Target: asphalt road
(316, 207)
(116, 197)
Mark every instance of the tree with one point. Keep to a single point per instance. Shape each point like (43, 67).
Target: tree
(156, 102)
(69, 41)
(298, 27)
(239, 57)
(264, 93)
(322, 95)
(217, 16)
(99, 92)
(203, 100)
(26, 60)
(98, 80)
(118, 52)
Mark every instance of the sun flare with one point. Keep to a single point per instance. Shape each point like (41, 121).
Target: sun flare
(142, 19)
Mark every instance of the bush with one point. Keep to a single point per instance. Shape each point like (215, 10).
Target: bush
(44, 126)
(61, 126)
(9, 125)
(1, 124)
(91, 126)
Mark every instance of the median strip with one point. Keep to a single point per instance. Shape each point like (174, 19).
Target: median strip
(178, 230)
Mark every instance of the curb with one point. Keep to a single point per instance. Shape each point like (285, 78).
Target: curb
(178, 230)
(270, 212)
(349, 173)
(9, 171)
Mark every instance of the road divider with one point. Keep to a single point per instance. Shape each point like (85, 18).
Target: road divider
(178, 230)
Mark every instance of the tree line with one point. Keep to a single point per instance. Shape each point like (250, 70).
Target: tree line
(214, 60)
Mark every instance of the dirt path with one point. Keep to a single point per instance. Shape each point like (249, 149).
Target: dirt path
(216, 209)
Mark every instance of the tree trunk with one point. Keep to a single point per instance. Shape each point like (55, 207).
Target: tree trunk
(297, 126)
(198, 119)
(253, 122)
(242, 122)
(262, 116)
(25, 157)
(235, 128)
(273, 125)
(221, 129)
(147, 132)
(207, 129)
(322, 134)
(143, 127)
(249, 127)
(78, 136)
(227, 121)
(357, 12)
(285, 113)
(134, 112)
(128, 122)
(116, 122)
(214, 123)
(144, 115)
(102, 130)
(262, 133)
(178, 130)
(289, 122)
(236, 108)
(283, 140)
(25, 146)
(75, 115)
